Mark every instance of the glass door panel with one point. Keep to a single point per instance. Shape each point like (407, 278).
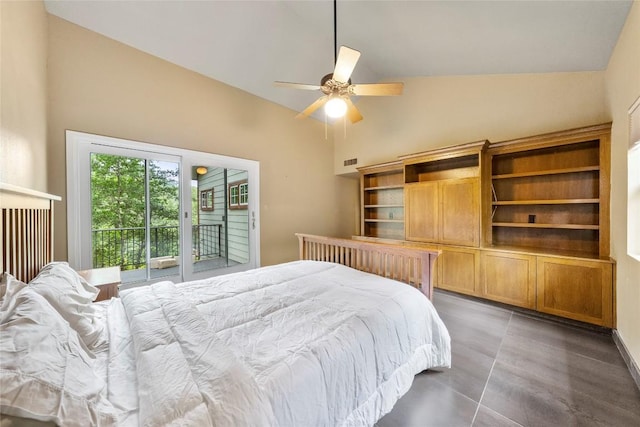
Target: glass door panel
(164, 219)
(135, 216)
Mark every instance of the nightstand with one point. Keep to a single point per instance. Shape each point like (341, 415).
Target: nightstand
(106, 279)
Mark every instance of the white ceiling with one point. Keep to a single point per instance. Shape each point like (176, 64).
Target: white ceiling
(250, 44)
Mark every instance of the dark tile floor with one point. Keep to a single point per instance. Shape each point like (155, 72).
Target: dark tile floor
(511, 369)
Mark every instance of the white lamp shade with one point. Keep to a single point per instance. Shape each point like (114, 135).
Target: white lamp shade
(335, 107)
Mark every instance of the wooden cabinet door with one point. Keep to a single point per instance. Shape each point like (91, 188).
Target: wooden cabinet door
(460, 212)
(577, 289)
(509, 278)
(459, 270)
(421, 212)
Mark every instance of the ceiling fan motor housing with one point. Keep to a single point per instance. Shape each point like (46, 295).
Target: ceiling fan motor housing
(330, 86)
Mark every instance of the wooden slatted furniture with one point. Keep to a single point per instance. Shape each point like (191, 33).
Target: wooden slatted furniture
(26, 227)
(413, 266)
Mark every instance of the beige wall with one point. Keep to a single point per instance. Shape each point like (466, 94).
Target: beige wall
(23, 94)
(623, 88)
(440, 111)
(100, 86)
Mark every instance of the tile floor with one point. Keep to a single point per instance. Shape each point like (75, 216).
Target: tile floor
(511, 369)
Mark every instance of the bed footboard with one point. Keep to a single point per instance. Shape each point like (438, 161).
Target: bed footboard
(413, 266)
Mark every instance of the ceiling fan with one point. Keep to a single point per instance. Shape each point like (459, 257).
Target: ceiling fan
(337, 87)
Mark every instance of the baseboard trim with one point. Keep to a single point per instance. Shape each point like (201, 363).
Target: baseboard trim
(631, 364)
(531, 313)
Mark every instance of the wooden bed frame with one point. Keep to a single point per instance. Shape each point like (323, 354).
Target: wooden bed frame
(26, 226)
(413, 266)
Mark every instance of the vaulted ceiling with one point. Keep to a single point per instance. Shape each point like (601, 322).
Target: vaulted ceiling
(250, 44)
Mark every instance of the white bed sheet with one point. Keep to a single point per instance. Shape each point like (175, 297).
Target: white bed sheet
(296, 344)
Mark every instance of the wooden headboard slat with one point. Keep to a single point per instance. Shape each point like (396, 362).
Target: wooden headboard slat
(26, 226)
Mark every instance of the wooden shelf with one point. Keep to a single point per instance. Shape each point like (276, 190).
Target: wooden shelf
(537, 225)
(384, 206)
(384, 187)
(545, 202)
(547, 172)
(384, 220)
(547, 252)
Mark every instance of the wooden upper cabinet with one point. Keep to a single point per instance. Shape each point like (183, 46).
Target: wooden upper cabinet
(460, 212)
(446, 211)
(421, 205)
(442, 195)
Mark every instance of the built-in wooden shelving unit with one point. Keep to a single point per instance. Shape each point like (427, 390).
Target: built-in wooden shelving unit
(524, 222)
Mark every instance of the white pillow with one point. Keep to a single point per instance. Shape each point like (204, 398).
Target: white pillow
(46, 374)
(9, 286)
(72, 297)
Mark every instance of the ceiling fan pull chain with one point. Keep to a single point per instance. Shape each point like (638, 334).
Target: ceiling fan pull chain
(326, 135)
(344, 122)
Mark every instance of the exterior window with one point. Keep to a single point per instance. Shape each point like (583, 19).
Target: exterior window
(239, 195)
(244, 194)
(206, 200)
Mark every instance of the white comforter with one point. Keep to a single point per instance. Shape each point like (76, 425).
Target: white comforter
(298, 344)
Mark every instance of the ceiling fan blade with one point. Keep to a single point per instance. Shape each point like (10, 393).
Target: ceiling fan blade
(352, 112)
(297, 85)
(346, 62)
(378, 89)
(313, 107)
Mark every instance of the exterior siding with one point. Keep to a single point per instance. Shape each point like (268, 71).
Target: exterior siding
(237, 219)
(238, 223)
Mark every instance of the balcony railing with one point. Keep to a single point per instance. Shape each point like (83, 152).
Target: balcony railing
(126, 247)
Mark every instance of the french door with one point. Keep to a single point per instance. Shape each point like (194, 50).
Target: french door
(159, 213)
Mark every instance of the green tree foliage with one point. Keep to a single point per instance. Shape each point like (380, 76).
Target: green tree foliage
(164, 193)
(117, 192)
(118, 205)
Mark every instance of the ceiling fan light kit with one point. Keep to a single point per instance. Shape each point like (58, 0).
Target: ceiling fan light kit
(335, 107)
(337, 87)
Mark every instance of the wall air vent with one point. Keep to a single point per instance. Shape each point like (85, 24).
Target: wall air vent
(350, 162)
